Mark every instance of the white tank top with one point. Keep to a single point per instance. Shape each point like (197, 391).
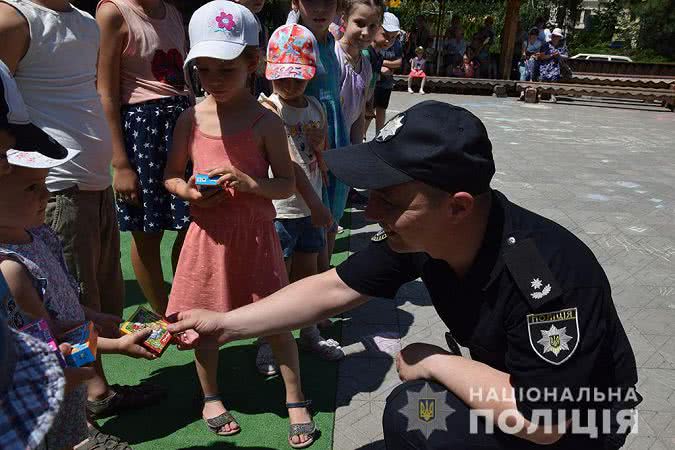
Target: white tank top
(57, 79)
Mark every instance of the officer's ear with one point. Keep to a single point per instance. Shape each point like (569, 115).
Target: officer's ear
(460, 206)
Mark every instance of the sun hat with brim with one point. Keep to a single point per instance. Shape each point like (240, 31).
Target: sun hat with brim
(557, 32)
(390, 23)
(222, 30)
(292, 52)
(31, 387)
(31, 144)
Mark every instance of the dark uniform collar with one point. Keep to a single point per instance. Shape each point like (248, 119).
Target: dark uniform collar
(487, 264)
(500, 234)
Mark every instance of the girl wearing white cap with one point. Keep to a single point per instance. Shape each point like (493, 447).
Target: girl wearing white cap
(232, 256)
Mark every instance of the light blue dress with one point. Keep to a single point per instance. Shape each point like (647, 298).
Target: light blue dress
(325, 86)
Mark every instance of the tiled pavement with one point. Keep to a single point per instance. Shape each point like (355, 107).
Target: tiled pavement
(605, 173)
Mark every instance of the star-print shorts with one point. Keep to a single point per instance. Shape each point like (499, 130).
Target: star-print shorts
(148, 132)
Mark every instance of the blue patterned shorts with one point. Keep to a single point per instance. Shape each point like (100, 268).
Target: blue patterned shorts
(148, 132)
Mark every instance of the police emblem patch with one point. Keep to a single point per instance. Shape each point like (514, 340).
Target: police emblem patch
(379, 236)
(427, 410)
(554, 336)
(391, 128)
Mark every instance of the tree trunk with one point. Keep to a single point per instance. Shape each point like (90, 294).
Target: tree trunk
(509, 37)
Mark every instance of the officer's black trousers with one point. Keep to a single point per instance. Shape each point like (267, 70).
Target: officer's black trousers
(458, 424)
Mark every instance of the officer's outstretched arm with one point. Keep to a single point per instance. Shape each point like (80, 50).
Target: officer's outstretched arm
(486, 389)
(300, 304)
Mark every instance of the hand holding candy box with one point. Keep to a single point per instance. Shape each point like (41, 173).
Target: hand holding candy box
(205, 183)
(83, 339)
(143, 318)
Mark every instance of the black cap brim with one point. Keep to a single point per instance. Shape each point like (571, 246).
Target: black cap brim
(30, 138)
(359, 167)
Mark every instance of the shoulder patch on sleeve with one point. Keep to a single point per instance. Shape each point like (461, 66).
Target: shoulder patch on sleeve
(554, 336)
(533, 277)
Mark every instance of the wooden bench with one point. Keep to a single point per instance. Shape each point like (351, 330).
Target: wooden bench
(622, 80)
(665, 96)
(453, 85)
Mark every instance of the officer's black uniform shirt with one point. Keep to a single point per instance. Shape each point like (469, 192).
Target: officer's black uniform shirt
(535, 304)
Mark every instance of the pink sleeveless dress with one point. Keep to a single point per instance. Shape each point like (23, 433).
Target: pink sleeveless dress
(232, 255)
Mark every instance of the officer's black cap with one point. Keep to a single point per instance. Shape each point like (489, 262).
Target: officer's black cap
(436, 143)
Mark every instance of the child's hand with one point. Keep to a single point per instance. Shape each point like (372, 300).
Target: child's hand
(321, 217)
(231, 177)
(75, 376)
(316, 139)
(125, 184)
(206, 199)
(132, 344)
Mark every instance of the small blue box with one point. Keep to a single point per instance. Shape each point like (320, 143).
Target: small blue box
(204, 182)
(83, 339)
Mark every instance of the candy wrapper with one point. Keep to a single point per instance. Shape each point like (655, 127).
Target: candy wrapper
(205, 183)
(83, 339)
(143, 318)
(40, 330)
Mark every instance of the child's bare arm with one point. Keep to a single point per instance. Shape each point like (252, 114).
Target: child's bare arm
(113, 34)
(179, 155)
(321, 216)
(129, 345)
(271, 130)
(358, 129)
(22, 289)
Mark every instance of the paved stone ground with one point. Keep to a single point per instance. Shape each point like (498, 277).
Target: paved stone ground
(607, 174)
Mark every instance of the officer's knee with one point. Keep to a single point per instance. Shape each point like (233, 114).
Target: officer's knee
(409, 417)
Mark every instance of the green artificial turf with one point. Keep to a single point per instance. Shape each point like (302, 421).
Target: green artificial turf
(257, 403)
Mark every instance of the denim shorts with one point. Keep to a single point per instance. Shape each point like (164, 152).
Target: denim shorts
(299, 235)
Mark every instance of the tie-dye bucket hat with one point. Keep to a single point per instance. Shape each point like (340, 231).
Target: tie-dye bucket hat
(292, 52)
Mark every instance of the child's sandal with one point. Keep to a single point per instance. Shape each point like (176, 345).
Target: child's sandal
(215, 424)
(298, 429)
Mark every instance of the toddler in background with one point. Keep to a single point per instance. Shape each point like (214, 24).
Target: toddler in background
(302, 218)
(232, 256)
(417, 66)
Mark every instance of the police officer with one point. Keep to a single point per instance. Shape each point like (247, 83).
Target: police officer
(549, 362)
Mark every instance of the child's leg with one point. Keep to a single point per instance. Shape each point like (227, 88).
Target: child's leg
(286, 354)
(424, 80)
(410, 84)
(147, 263)
(206, 361)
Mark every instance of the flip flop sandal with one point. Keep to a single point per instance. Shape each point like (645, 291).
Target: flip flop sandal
(123, 398)
(298, 429)
(215, 424)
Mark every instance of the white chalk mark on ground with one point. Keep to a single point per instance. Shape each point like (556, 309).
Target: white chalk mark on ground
(637, 229)
(628, 184)
(598, 197)
(655, 200)
(665, 291)
(614, 241)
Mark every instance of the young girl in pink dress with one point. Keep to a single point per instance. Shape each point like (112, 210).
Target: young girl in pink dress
(232, 256)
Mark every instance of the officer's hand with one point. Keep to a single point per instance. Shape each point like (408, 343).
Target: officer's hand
(412, 362)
